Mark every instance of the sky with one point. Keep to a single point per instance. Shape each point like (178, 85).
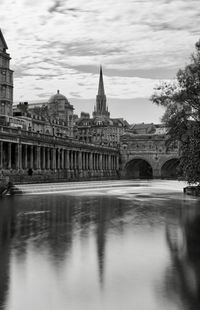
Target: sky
(60, 44)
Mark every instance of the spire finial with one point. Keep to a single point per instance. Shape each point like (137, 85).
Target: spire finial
(58, 92)
(101, 84)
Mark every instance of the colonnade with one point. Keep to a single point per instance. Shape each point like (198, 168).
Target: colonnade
(20, 156)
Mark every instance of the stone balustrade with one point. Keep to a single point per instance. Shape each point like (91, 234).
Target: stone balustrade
(30, 153)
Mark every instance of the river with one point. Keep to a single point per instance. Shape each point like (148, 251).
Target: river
(132, 246)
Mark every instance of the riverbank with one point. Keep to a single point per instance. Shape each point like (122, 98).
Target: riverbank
(192, 190)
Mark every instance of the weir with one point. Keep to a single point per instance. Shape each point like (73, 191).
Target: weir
(67, 187)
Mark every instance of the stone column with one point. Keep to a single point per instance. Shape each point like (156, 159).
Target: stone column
(54, 158)
(1, 155)
(114, 162)
(43, 158)
(80, 160)
(58, 158)
(83, 160)
(104, 161)
(9, 156)
(100, 162)
(67, 163)
(91, 161)
(38, 157)
(109, 162)
(117, 162)
(25, 156)
(94, 161)
(31, 157)
(71, 160)
(156, 172)
(86, 160)
(48, 158)
(105, 167)
(75, 160)
(19, 156)
(62, 159)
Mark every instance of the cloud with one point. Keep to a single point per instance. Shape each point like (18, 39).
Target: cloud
(61, 43)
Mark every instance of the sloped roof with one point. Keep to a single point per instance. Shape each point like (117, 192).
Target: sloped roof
(141, 126)
(3, 40)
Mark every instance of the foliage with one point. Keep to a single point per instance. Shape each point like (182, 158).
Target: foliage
(181, 100)
(46, 115)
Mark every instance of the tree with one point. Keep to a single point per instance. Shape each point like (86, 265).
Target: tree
(181, 100)
(46, 115)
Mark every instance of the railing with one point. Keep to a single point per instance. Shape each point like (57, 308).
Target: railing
(20, 133)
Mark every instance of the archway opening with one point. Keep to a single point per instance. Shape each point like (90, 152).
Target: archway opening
(170, 169)
(139, 169)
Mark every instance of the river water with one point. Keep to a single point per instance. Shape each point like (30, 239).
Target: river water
(134, 246)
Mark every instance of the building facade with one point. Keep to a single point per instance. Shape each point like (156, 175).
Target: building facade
(46, 142)
(6, 79)
(101, 129)
(148, 156)
(37, 143)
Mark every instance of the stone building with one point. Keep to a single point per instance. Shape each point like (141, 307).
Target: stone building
(145, 129)
(101, 129)
(46, 142)
(148, 156)
(54, 117)
(37, 143)
(6, 79)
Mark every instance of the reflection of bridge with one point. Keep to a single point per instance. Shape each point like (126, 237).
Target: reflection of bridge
(147, 156)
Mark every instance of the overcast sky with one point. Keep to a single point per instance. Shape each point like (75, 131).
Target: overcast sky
(59, 44)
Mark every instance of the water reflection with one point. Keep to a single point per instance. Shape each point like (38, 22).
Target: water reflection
(7, 231)
(99, 252)
(183, 277)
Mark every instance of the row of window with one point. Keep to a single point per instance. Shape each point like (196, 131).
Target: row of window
(4, 62)
(6, 92)
(6, 76)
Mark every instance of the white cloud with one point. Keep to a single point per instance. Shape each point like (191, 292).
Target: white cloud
(51, 39)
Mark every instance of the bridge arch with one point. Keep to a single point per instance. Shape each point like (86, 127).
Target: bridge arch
(169, 168)
(138, 168)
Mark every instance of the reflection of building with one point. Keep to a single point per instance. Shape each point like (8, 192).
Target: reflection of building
(7, 230)
(183, 284)
(101, 129)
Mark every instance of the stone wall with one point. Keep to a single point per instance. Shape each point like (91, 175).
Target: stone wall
(30, 157)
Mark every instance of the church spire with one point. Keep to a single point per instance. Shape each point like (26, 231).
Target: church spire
(101, 85)
(101, 109)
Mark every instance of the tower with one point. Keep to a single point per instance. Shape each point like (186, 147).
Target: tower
(101, 109)
(6, 79)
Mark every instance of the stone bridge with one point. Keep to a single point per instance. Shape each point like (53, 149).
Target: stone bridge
(147, 156)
